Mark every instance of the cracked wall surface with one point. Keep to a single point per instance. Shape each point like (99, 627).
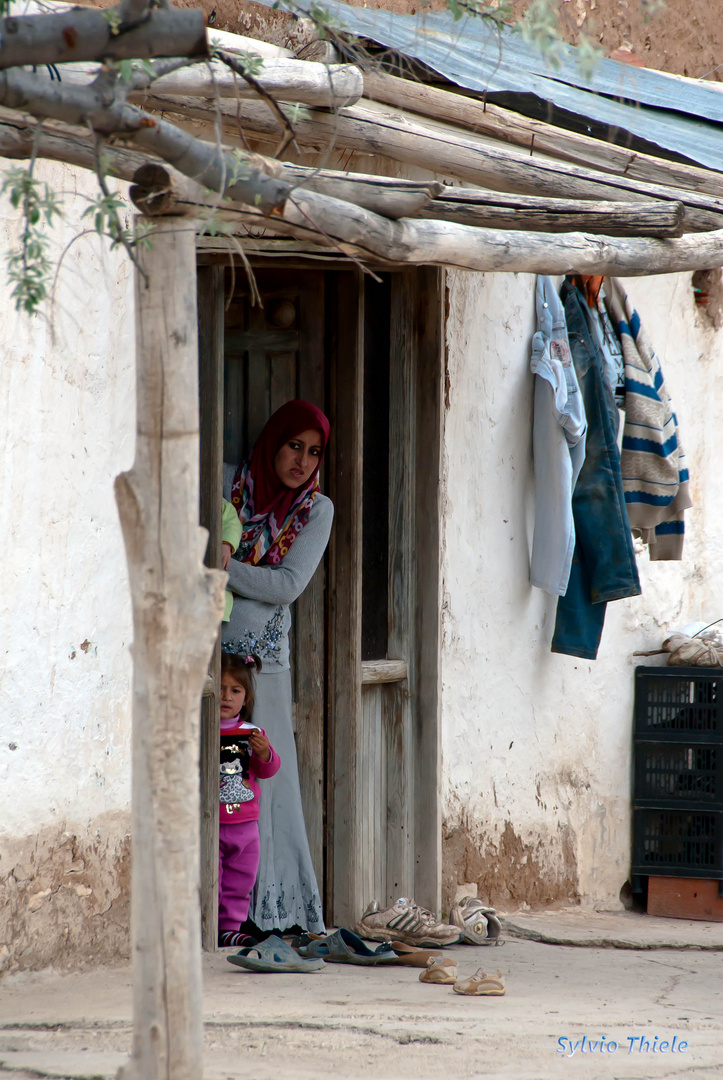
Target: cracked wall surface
(537, 747)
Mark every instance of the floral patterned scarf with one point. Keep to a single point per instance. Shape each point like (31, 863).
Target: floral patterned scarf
(272, 514)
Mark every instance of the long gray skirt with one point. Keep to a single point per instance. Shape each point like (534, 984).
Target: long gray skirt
(286, 892)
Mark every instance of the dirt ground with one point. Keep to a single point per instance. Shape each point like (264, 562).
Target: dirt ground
(662, 981)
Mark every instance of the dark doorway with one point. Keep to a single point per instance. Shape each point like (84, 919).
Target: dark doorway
(365, 640)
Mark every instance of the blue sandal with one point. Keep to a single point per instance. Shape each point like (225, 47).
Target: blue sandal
(273, 954)
(344, 947)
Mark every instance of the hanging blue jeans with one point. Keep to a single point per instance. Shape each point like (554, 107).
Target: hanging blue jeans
(603, 564)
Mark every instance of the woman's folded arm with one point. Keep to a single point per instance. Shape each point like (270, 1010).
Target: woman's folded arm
(284, 582)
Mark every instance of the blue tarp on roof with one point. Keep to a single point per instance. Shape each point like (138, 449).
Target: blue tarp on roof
(678, 115)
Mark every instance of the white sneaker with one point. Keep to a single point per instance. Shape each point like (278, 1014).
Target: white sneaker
(407, 922)
(479, 924)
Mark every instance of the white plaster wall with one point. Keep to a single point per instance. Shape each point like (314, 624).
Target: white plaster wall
(67, 399)
(535, 744)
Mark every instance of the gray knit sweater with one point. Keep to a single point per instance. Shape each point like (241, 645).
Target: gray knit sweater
(260, 619)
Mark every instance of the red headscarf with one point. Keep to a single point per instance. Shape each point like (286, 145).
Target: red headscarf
(272, 514)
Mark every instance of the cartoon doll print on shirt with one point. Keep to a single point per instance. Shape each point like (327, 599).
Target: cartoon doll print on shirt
(235, 770)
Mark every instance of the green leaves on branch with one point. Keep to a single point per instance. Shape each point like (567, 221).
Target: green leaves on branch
(240, 168)
(495, 13)
(588, 55)
(539, 27)
(251, 63)
(128, 68)
(320, 16)
(105, 212)
(112, 17)
(29, 267)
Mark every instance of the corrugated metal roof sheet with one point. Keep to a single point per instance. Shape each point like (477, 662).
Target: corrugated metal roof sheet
(665, 110)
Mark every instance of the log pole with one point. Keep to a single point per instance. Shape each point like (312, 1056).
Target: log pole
(430, 144)
(177, 608)
(415, 242)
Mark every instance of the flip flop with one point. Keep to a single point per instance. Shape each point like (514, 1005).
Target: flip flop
(344, 947)
(440, 971)
(273, 954)
(410, 956)
(481, 984)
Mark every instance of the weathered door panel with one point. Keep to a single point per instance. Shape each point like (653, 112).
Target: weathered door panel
(387, 814)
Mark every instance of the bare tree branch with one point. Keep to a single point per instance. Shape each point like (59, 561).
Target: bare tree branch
(241, 69)
(202, 161)
(88, 34)
(141, 80)
(61, 142)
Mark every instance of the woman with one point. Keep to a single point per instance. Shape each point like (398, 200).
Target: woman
(286, 522)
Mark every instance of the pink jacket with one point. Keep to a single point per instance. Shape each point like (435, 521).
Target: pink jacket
(240, 772)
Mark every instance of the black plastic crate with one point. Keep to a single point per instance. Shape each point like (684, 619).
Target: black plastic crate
(678, 843)
(679, 700)
(678, 772)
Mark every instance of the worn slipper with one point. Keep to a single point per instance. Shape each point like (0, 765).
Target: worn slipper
(481, 984)
(440, 971)
(410, 956)
(344, 947)
(273, 954)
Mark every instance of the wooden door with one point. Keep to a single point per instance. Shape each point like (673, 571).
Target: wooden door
(384, 820)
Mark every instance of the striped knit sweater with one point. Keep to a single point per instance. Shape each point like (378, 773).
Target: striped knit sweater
(655, 477)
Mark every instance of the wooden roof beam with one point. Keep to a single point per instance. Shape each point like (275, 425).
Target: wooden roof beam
(358, 232)
(536, 136)
(446, 150)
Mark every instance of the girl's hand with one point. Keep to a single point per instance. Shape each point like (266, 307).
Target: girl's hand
(260, 745)
(226, 550)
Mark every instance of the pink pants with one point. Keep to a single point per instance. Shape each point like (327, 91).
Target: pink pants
(238, 864)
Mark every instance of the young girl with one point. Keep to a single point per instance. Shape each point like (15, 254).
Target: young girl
(246, 757)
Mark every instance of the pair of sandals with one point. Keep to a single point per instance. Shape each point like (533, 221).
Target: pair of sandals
(444, 972)
(311, 953)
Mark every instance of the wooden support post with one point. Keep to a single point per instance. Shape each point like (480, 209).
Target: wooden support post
(309, 623)
(344, 877)
(400, 754)
(210, 377)
(177, 606)
(429, 303)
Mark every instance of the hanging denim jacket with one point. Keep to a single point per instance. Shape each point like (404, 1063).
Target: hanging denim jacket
(603, 565)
